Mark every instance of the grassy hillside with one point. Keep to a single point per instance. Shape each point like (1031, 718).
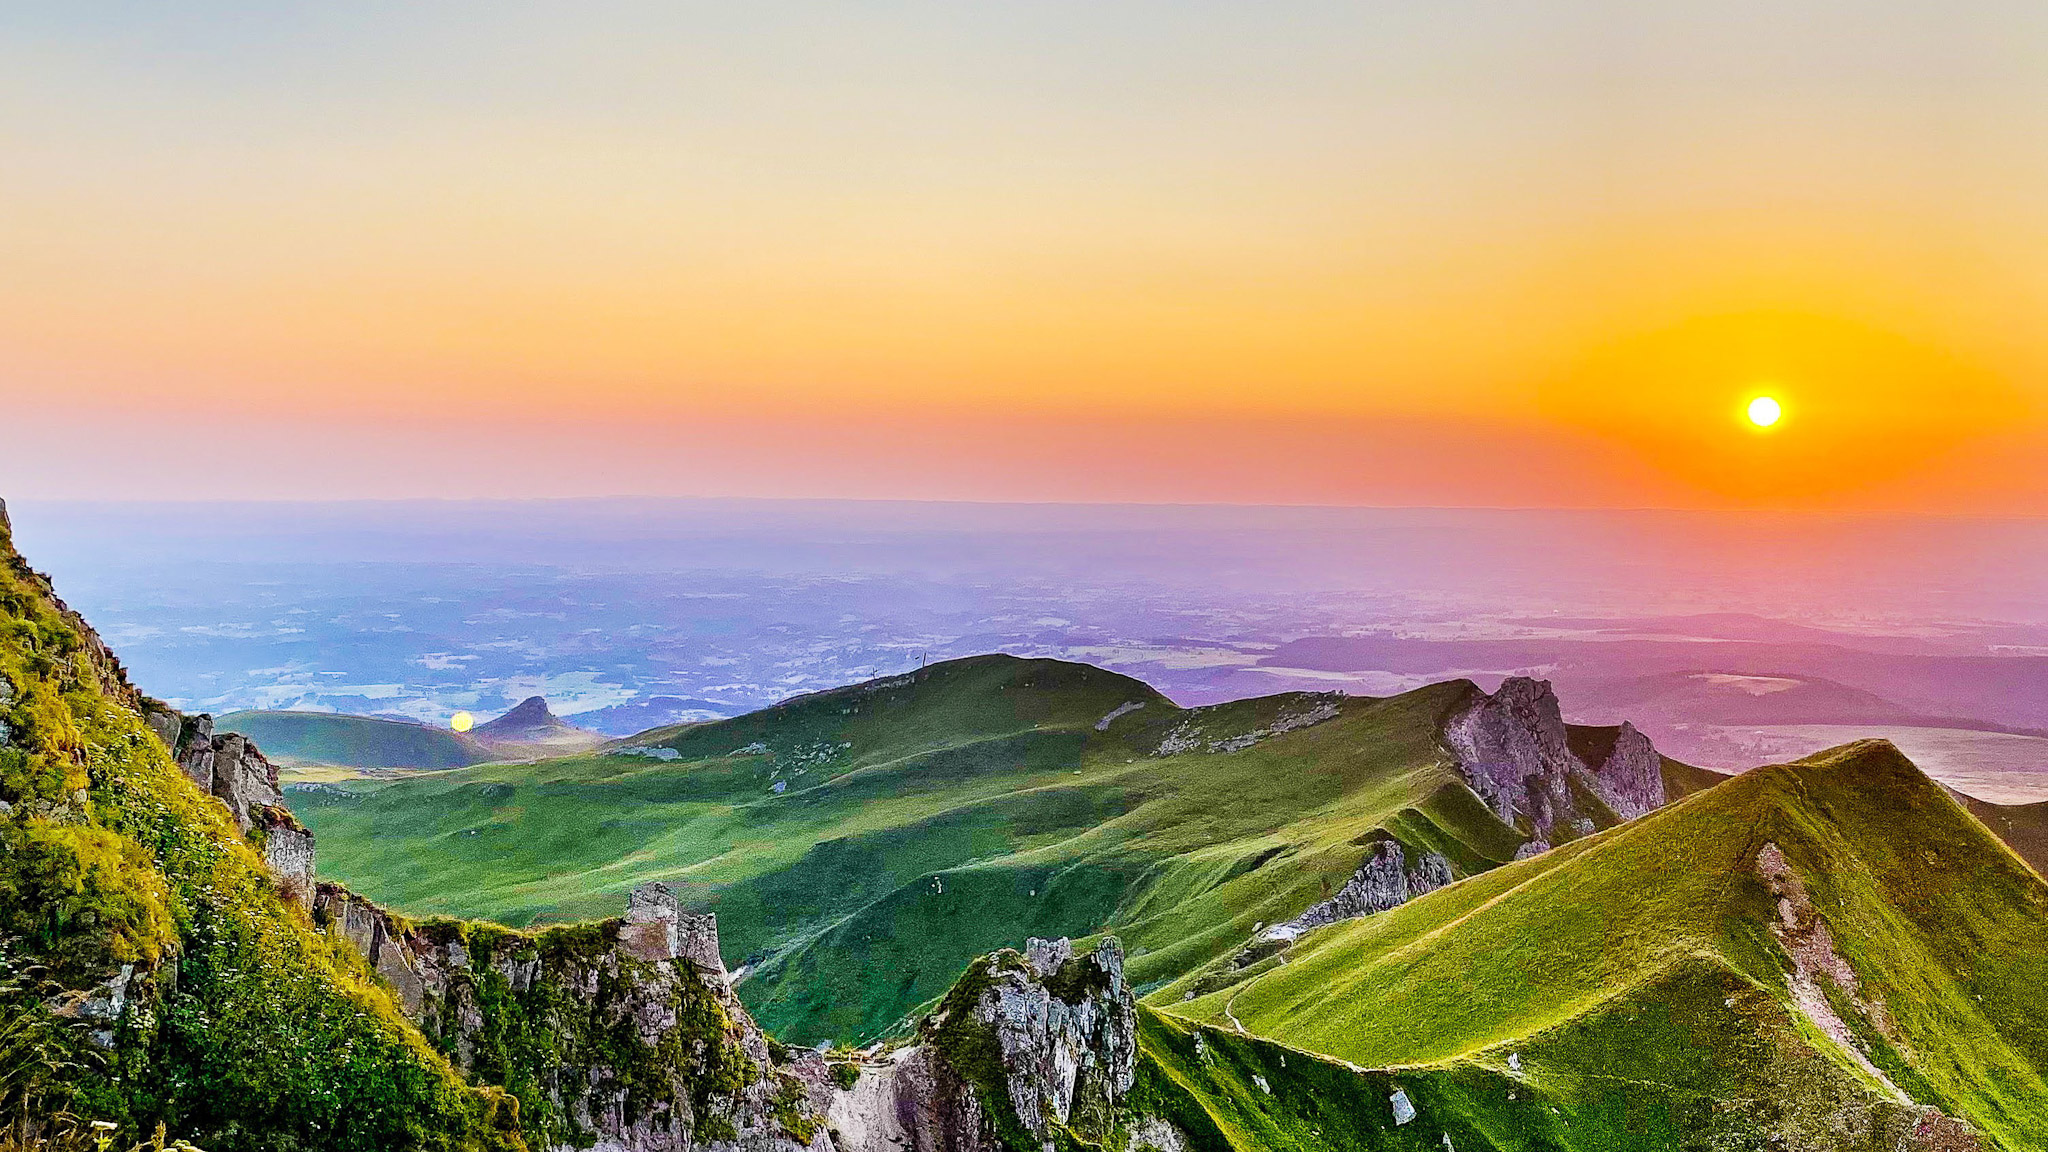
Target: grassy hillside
(861, 845)
(307, 738)
(1648, 974)
(925, 819)
(185, 989)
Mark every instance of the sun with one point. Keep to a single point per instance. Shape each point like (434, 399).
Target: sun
(461, 721)
(1765, 411)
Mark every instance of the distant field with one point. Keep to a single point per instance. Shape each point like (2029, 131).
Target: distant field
(1994, 766)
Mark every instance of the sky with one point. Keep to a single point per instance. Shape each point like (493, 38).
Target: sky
(1485, 254)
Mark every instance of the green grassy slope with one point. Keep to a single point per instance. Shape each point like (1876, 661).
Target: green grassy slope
(1641, 962)
(926, 819)
(301, 738)
(242, 1027)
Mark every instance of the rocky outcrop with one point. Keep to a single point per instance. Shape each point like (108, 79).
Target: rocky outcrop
(1514, 751)
(657, 928)
(632, 1040)
(1026, 1047)
(1387, 879)
(625, 1031)
(1630, 781)
(229, 767)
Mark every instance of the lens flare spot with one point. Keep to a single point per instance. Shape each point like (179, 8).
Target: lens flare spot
(462, 721)
(1765, 411)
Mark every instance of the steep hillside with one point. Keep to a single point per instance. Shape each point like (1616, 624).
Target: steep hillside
(299, 739)
(1814, 953)
(199, 994)
(860, 845)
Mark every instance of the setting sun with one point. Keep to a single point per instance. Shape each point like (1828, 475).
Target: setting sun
(461, 721)
(1764, 411)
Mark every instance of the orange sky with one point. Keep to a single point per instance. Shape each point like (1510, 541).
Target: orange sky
(1292, 252)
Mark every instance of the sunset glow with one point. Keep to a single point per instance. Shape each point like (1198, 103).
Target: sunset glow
(1287, 253)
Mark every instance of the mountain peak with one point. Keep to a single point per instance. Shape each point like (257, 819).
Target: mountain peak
(532, 723)
(528, 712)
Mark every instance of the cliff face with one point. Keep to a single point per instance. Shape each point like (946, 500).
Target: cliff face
(1513, 749)
(625, 1036)
(1515, 752)
(180, 984)
(1024, 1049)
(621, 1035)
(230, 768)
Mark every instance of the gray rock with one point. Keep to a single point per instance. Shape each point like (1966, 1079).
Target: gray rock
(1059, 1054)
(1631, 780)
(166, 724)
(1047, 956)
(643, 980)
(1068, 1057)
(1512, 749)
(1386, 879)
(656, 928)
(288, 852)
(102, 1007)
(1404, 1110)
(1514, 752)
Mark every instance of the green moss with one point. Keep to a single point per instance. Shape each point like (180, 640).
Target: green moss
(789, 1110)
(845, 1074)
(1076, 980)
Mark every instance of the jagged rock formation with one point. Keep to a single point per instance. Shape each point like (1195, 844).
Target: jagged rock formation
(625, 1036)
(1024, 1047)
(1513, 749)
(621, 1035)
(657, 928)
(1630, 780)
(1548, 781)
(1385, 880)
(229, 767)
